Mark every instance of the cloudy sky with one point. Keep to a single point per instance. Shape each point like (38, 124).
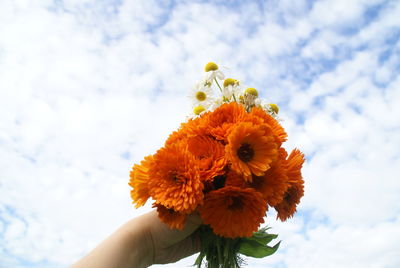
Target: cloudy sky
(87, 88)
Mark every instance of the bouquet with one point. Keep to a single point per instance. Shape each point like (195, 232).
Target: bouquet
(227, 163)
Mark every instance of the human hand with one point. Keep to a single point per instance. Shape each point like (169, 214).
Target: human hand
(170, 245)
(142, 242)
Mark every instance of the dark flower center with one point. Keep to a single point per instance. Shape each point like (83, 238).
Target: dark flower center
(245, 152)
(177, 178)
(235, 203)
(288, 198)
(290, 195)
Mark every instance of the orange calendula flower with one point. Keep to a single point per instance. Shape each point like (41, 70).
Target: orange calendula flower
(139, 178)
(224, 118)
(174, 219)
(274, 183)
(233, 212)
(193, 127)
(175, 137)
(209, 154)
(234, 179)
(278, 131)
(251, 149)
(292, 197)
(175, 179)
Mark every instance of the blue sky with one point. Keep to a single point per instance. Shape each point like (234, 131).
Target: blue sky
(87, 88)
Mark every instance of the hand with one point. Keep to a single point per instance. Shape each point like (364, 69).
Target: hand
(170, 245)
(144, 241)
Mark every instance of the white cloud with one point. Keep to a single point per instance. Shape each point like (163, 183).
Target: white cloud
(87, 89)
(340, 14)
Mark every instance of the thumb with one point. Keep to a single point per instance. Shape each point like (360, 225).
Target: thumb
(173, 236)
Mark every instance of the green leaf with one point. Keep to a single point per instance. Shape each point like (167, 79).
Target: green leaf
(199, 259)
(262, 239)
(254, 249)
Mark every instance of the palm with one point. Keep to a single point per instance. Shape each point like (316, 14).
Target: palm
(172, 245)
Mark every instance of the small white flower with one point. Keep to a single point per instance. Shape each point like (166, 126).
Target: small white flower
(202, 94)
(273, 109)
(231, 89)
(212, 75)
(199, 109)
(249, 97)
(213, 72)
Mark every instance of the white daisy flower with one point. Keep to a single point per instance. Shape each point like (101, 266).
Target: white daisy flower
(197, 111)
(249, 97)
(202, 94)
(231, 89)
(273, 109)
(213, 72)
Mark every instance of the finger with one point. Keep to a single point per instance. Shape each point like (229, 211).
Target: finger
(187, 247)
(173, 236)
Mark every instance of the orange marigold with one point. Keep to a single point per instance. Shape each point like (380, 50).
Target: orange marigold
(139, 178)
(174, 219)
(258, 114)
(175, 178)
(234, 179)
(251, 149)
(221, 120)
(175, 137)
(292, 197)
(193, 127)
(209, 154)
(274, 183)
(233, 212)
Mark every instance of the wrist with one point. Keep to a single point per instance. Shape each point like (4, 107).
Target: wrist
(140, 242)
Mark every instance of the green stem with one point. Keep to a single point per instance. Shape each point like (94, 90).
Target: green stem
(218, 84)
(219, 250)
(234, 97)
(226, 253)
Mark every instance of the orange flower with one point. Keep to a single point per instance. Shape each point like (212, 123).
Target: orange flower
(209, 154)
(196, 126)
(233, 212)
(274, 183)
(175, 179)
(174, 219)
(234, 179)
(175, 137)
(258, 114)
(139, 178)
(223, 119)
(251, 149)
(292, 197)
(193, 127)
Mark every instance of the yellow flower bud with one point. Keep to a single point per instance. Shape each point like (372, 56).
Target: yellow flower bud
(274, 107)
(230, 81)
(198, 109)
(211, 66)
(252, 91)
(201, 96)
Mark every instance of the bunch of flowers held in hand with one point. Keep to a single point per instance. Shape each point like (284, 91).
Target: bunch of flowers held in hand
(227, 163)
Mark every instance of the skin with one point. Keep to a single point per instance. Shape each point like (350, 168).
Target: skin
(142, 242)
